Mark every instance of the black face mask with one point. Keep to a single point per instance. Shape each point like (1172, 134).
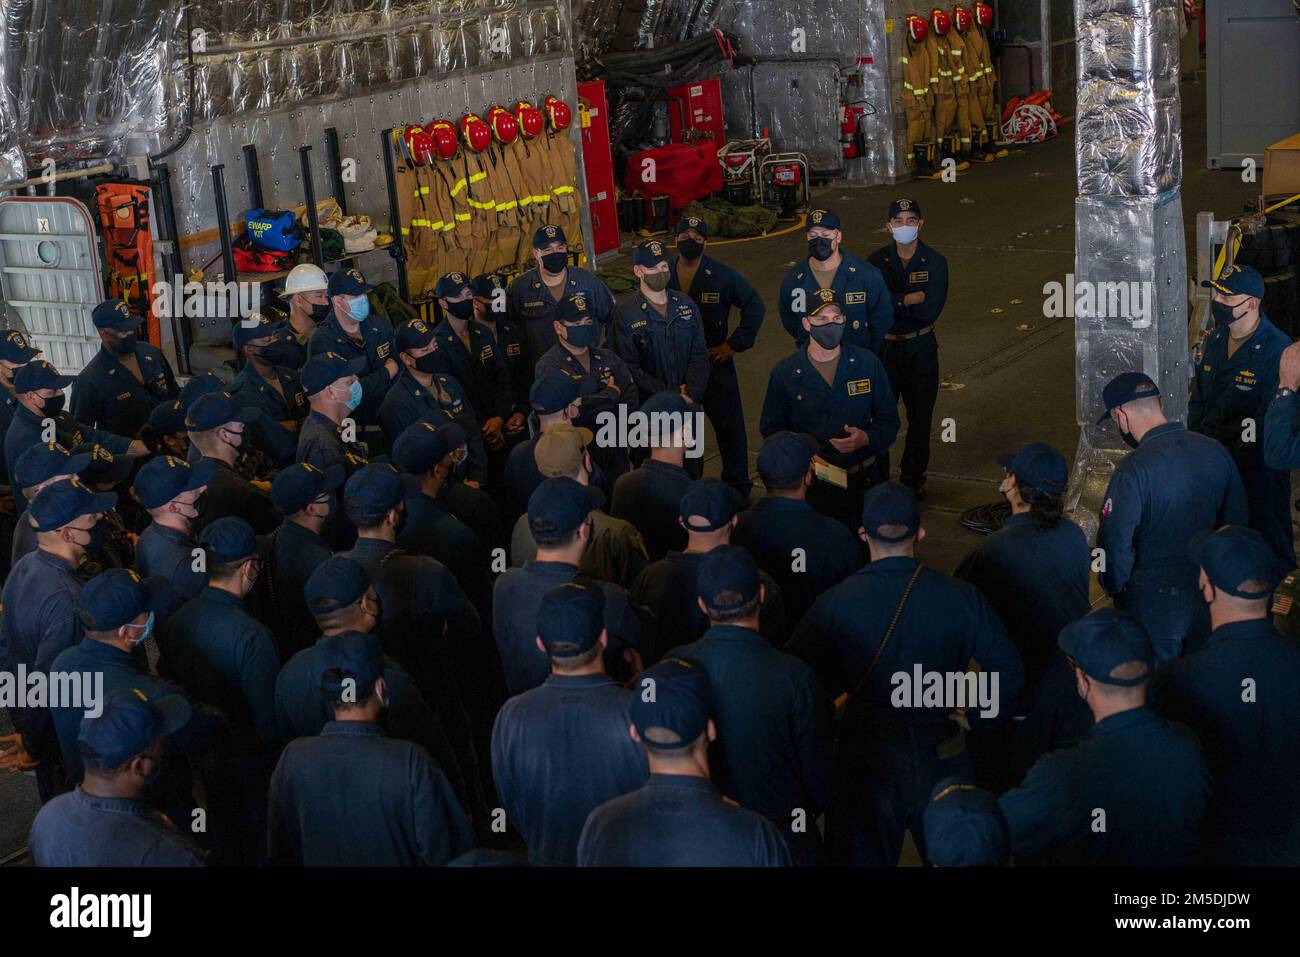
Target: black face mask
(1131, 442)
(463, 310)
(819, 248)
(1223, 313)
(581, 336)
(54, 404)
(320, 311)
(690, 248)
(829, 335)
(555, 262)
(123, 346)
(280, 352)
(427, 363)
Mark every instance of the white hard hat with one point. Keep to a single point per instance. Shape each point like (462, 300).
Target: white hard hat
(305, 277)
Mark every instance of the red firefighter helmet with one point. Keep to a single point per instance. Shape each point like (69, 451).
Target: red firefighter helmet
(917, 28)
(962, 19)
(504, 125)
(941, 22)
(558, 113)
(420, 145)
(476, 133)
(443, 135)
(529, 119)
(983, 14)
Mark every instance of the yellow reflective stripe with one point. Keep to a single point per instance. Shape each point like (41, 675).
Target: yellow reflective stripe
(463, 217)
(405, 231)
(505, 206)
(525, 200)
(544, 198)
(458, 187)
(903, 59)
(563, 189)
(474, 178)
(477, 205)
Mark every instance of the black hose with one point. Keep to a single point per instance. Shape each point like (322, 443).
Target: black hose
(189, 119)
(986, 519)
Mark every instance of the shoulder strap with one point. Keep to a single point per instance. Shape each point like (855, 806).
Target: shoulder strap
(884, 640)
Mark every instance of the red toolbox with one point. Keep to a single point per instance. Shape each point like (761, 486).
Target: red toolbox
(695, 112)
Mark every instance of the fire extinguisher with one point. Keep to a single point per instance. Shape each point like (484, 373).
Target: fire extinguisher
(852, 141)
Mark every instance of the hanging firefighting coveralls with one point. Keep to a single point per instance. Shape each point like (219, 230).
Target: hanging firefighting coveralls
(506, 177)
(968, 74)
(477, 139)
(951, 42)
(945, 91)
(533, 166)
(564, 170)
(918, 96)
(988, 79)
(412, 151)
(456, 214)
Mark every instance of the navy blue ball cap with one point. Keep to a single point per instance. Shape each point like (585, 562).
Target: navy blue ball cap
(167, 418)
(485, 285)
(375, 488)
(558, 506)
(41, 463)
(422, 446)
(571, 617)
(825, 218)
(114, 314)
(890, 504)
(119, 596)
(575, 308)
(411, 335)
(904, 206)
(1238, 281)
(546, 234)
(39, 374)
(301, 484)
(324, 369)
(255, 326)
(338, 582)
(128, 723)
(1104, 640)
(707, 505)
(727, 579)
(671, 704)
(350, 656)
(666, 403)
(691, 222)
(1126, 387)
(965, 827)
(1038, 465)
(451, 285)
(205, 383)
(1235, 556)
(163, 478)
(217, 409)
(229, 539)
(784, 458)
(15, 348)
(66, 501)
(824, 299)
(104, 466)
(554, 393)
(347, 282)
(649, 253)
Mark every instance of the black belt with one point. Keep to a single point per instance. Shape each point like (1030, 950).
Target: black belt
(898, 337)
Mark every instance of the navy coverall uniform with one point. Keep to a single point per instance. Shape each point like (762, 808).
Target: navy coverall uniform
(320, 445)
(1281, 432)
(301, 711)
(912, 347)
(229, 493)
(480, 371)
(516, 598)
(250, 390)
(675, 820)
(669, 587)
(1225, 393)
(559, 751)
(431, 529)
(890, 757)
(1146, 774)
(39, 621)
(601, 364)
(1173, 485)
(663, 352)
(82, 830)
(529, 303)
(167, 553)
(376, 344)
(26, 428)
(8, 406)
(773, 527)
(354, 797)
(1037, 582)
(772, 754)
(799, 400)
(295, 552)
(715, 288)
(868, 306)
(1249, 738)
(408, 403)
(512, 346)
(108, 396)
(650, 497)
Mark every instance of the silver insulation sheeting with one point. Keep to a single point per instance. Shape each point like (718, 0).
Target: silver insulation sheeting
(1130, 279)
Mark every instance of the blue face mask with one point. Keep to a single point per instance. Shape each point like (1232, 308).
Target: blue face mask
(354, 396)
(148, 630)
(359, 307)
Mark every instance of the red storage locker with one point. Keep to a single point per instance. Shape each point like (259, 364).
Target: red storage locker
(595, 137)
(699, 105)
(603, 203)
